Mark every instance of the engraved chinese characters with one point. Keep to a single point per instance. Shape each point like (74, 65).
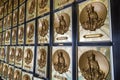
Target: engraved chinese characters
(62, 63)
(94, 22)
(63, 25)
(43, 29)
(93, 63)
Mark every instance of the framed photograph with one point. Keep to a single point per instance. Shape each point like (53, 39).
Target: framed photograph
(19, 56)
(43, 29)
(21, 34)
(21, 1)
(43, 6)
(5, 71)
(94, 21)
(2, 53)
(15, 17)
(17, 74)
(12, 53)
(15, 5)
(62, 63)
(7, 36)
(61, 3)
(31, 9)
(1, 68)
(5, 8)
(94, 62)
(41, 61)
(27, 76)
(30, 33)
(14, 35)
(28, 60)
(9, 21)
(10, 6)
(10, 72)
(1, 11)
(21, 13)
(63, 25)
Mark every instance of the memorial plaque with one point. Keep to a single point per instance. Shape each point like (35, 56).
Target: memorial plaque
(21, 13)
(21, 34)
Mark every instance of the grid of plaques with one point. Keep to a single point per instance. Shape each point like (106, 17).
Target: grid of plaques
(56, 40)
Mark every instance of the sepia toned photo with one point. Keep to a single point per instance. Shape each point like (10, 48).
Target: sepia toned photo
(41, 61)
(28, 60)
(9, 21)
(7, 37)
(62, 63)
(31, 9)
(15, 17)
(63, 26)
(94, 21)
(2, 53)
(10, 73)
(43, 6)
(14, 35)
(5, 23)
(94, 63)
(5, 71)
(26, 76)
(21, 13)
(61, 3)
(15, 5)
(30, 32)
(17, 74)
(12, 53)
(5, 9)
(19, 56)
(43, 29)
(21, 34)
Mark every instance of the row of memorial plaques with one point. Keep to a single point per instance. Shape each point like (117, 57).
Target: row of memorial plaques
(94, 62)
(8, 72)
(94, 24)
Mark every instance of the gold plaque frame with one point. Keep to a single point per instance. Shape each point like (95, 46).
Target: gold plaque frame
(63, 32)
(21, 34)
(14, 35)
(19, 56)
(62, 71)
(43, 29)
(28, 59)
(21, 13)
(30, 33)
(100, 28)
(7, 37)
(31, 9)
(101, 56)
(15, 17)
(41, 61)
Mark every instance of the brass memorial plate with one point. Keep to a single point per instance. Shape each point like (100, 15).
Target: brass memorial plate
(21, 34)
(30, 33)
(17, 74)
(21, 13)
(10, 72)
(1, 11)
(41, 61)
(28, 60)
(94, 63)
(61, 3)
(15, 5)
(43, 6)
(94, 21)
(10, 6)
(5, 71)
(43, 29)
(19, 56)
(31, 9)
(2, 53)
(14, 35)
(7, 37)
(15, 17)
(26, 76)
(62, 63)
(12, 54)
(63, 26)
(9, 21)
